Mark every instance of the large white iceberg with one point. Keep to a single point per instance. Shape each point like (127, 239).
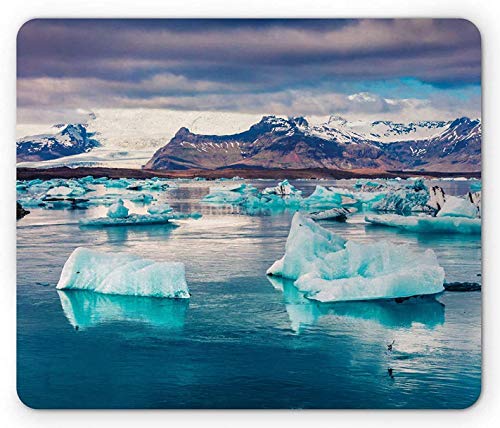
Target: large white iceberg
(328, 268)
(428, 224)
(123, 274)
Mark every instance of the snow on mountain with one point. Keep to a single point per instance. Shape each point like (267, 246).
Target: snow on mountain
(65, 140)
(129, 137)
(276, 142)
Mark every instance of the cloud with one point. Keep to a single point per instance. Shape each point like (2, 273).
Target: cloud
(269, 66)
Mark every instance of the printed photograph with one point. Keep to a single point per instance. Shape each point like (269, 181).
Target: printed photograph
(248, 213)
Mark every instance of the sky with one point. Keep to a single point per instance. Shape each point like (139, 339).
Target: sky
(401, 69)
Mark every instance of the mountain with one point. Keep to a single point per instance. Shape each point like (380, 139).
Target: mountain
(129, 137)
(66, 140)
(276, 142)
(169, 139)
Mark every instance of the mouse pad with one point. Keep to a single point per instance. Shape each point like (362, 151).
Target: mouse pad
(248, 213)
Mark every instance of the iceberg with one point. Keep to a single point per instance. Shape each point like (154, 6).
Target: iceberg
(457, 207)
(123, 274)
(337, 214)
(284, 188)
(322, 197)
(160, 209)
(119, 183)
(136, 219)
(118, 210)
(328, 268)
(410, 198)
(427, 224)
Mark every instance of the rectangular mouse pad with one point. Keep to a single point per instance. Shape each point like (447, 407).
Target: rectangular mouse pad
(241, 213)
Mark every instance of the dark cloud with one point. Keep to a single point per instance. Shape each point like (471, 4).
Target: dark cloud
(94, 61)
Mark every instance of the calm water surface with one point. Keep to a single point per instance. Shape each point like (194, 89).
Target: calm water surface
(241, 341)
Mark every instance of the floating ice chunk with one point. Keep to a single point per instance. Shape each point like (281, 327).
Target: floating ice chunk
(118, 210)
(337, 214)
(457, 207)
(410, 198)
(328, 268)
(119, 183)
(306, 244)
(144, 198)
(59, 191)
(284, 188)
(160, 209)
(124, 274)
(364, 197)
(137, 219)
(322, 197)
(224, 197)
(427, 224)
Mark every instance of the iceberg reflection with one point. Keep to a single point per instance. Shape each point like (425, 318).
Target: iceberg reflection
(425, 310)
(85, 309)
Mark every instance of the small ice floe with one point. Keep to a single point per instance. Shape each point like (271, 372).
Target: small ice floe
(336, 214)
(428, 224)
(118, 215)
(124, 274)
(328, 268)
(137, 219)
(119, 183)
(118, 210)
(160, 209)
(284, 188)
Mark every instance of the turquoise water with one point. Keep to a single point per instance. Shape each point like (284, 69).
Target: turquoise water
(241, 341)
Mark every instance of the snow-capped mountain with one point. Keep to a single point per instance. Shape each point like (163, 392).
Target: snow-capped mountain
(276, 142)
(168, 139)
(129, 137)
(65, 140)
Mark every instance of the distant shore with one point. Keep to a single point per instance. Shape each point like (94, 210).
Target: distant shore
(65, 172)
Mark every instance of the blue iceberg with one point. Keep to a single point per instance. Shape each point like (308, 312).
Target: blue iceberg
(123, 274)
(328, 268)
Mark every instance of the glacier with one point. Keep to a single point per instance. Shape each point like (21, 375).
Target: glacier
(428, 224)
(122, 274)
(328, 268)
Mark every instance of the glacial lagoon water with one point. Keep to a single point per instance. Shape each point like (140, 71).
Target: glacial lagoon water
(241, 341)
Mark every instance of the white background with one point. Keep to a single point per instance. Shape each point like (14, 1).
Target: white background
(485, 14)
